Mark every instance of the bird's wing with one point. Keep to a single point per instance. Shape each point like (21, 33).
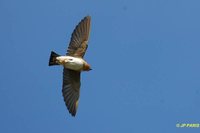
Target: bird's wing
(79, 39)
(71, 89)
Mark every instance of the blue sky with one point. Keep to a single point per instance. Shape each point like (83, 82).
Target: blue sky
(144, 55)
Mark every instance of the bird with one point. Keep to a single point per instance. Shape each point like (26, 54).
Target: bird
(73, 64)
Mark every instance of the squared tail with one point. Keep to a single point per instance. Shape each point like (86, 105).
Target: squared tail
(52, 59)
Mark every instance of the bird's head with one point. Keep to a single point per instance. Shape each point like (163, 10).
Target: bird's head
(86, 67)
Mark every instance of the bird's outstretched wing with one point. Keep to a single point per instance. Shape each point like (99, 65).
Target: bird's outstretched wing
(79, 39)
(71, 89)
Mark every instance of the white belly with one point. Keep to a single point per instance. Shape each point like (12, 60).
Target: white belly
(74, 63)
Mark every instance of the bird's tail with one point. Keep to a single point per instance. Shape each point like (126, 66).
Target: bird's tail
(52, 59)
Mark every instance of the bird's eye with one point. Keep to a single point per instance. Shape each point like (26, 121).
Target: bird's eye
(70, 59)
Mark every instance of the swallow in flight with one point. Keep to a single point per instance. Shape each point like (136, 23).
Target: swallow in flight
(73, 64)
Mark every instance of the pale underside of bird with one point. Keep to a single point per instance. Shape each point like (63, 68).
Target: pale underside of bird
(73, 64)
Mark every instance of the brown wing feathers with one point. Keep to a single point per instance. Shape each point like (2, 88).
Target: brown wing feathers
(71, 89)
(79, 38)
(71, 79)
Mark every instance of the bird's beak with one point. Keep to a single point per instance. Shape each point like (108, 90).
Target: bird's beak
(90, 69)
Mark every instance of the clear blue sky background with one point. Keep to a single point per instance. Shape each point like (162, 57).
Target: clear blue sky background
(145, 56)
